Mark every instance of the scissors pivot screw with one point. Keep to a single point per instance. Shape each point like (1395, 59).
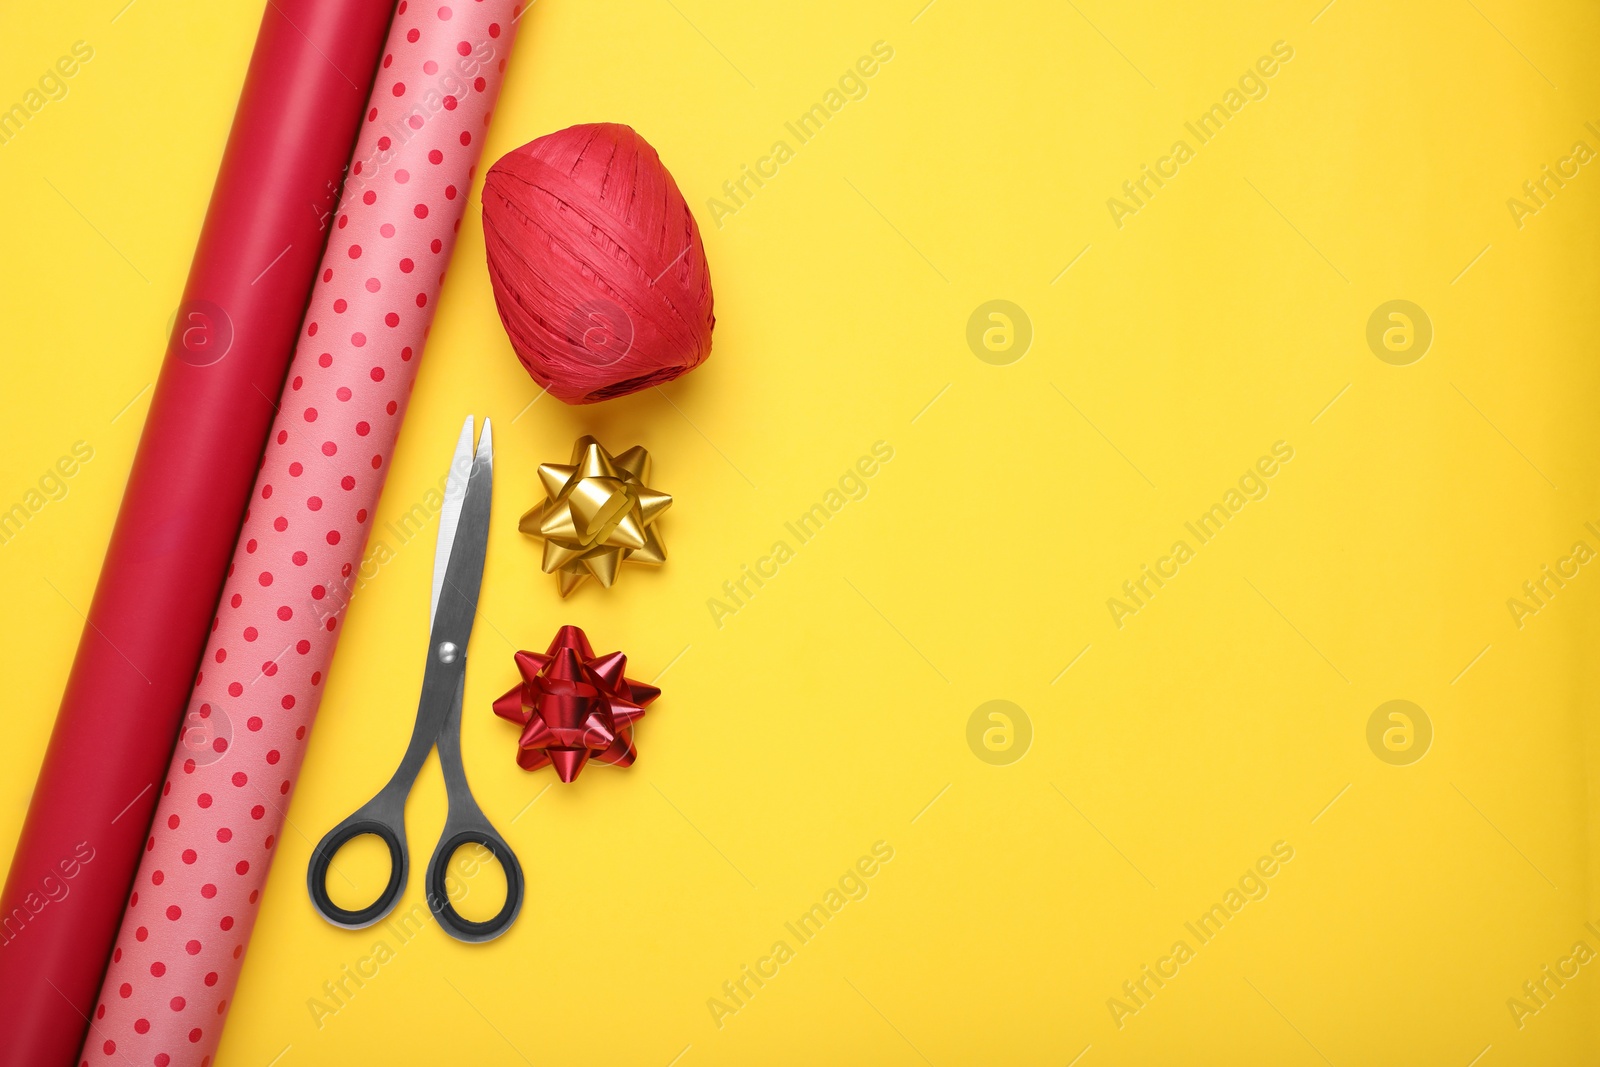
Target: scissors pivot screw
(448, 651)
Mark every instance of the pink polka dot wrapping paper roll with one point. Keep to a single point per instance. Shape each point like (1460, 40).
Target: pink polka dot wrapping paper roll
(195, 899)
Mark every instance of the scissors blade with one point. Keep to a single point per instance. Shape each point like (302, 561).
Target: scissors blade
(463, 575)
(455, 490)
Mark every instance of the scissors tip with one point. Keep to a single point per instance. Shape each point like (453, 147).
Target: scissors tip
(486, 442)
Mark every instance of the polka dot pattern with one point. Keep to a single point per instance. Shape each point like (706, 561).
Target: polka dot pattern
(183, 936)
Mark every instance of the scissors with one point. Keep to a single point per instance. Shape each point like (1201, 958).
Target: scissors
(457, 576)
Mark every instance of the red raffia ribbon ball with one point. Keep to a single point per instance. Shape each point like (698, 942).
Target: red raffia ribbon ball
(597, 264)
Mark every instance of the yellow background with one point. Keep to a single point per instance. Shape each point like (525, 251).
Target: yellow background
(826, 714)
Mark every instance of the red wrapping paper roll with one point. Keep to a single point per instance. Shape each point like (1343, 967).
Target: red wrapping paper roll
(309, 77)
(222, 808)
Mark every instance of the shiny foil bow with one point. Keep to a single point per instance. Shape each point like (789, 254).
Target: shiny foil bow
(574, 706)
(598, 515)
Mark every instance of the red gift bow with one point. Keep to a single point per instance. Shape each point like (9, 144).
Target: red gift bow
(573, 705)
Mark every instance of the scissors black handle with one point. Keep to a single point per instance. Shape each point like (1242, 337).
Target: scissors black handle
(384, 816)
(466, 824)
